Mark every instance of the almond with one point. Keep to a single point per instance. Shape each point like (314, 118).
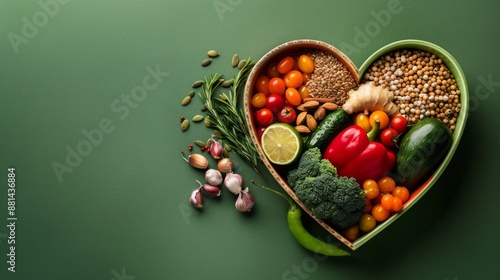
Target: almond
(312, 124)
(302, 129)
(301, 117)
(320, 113)
(330, 106)
(310, 105)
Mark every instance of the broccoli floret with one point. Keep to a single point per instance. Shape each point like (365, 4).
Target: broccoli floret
(338, 200)
(309, 166)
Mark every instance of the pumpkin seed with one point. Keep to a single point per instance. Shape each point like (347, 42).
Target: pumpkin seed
(218, 134)
(227, 147)
(209, 142)
(206, 62)
(213, 53)
(207, 121)
(191, 93)
(203, 108)
(225, 153)
(227, 83)
(185, 125)
(197, 118)
(186, 100)
(199, 143)
(197, 84)
(242, 64)
(235, 60)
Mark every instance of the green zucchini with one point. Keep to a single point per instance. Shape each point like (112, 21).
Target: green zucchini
(328, 128)
(421, 150)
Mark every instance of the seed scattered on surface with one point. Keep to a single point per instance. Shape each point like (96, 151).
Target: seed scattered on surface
(203, 108)
(199, 143)
(197, 84)
(227, 83)
(225, 153)
(235, 60)
(213, 53)
(207, 121)
(227, 147)
(209, 142)
(242, 64)
(191, 93)
(185, 125)
(218, 134)
(206, 62)
(197, 118)
(186, 100)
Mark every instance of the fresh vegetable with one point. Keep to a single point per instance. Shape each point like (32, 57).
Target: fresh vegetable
(227, 118)
(196, 160)
(245, 201)
(275, 102)
(362, 120)
(381, 117)
(328, 128)
(354, 153)
(213, 177)
(287, 115)
(301, 235)
(277, 86)
(306, 64)
(399, 123)
(233, 182)
(367, 223)
(339, 200)
(309, 165)
(293, 97)
(369, 98)
(264, 117)
(293, 79)
(388, 137)
(421, 150)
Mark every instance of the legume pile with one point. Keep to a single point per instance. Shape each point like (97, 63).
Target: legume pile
(421, 83)
(330, 78)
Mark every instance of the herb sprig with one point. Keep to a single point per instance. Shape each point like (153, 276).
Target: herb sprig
(225, 115)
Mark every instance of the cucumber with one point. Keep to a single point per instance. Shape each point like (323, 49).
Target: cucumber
(328, 128)
(421, 150)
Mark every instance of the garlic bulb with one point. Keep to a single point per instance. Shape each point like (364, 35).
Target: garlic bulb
(245, 201)
(213, 177)
(233, 182)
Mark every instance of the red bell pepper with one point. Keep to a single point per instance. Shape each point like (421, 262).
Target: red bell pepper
(354, 153)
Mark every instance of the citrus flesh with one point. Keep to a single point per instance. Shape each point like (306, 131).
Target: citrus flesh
(281, 143)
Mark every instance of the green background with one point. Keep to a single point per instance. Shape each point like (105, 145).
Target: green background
(123, 212)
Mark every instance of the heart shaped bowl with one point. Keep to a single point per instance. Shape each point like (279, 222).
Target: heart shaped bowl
(279, 172)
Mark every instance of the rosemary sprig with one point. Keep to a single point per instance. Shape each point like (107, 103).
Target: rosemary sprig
(227, 117)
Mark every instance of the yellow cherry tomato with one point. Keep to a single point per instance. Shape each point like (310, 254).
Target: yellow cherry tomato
(364, 121)
(380, 116)
(259, 100)
(306, 64)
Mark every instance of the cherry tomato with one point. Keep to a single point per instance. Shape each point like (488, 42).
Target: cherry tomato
(304, 92)
(277, 86)
(264, 116)
(367, 223)
(259, 100)
(260, 131)
(307, 77)
(387, 201)
(275, 102)
(386, 184)
(293, 79)
(388, 137)
(368, 206)
(381, 116)
(272, 70)
(379, 213)
(397, 204)
(262, 84)
(293, 97)
(306, 64)
(363, 120)
(402, 193)
(372, 192)
(351, 233)
(399, 123)
(285, 65)
(287, 115)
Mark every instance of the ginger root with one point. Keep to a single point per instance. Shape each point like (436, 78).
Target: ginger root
(368, 98)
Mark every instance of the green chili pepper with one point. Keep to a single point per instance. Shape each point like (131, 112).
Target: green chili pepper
(303, 237)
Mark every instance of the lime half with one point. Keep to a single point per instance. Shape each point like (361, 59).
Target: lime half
(282, 143)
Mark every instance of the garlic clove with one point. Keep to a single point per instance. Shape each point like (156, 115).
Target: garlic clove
(233, 182)
(196, 198)
(216, 149)
(211, 191)
(245, 201)
(213, 177)
(196, 160)
(225, 165)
